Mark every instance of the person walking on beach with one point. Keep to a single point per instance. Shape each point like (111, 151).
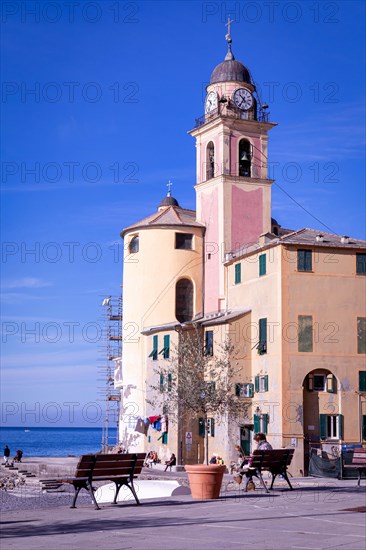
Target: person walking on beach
(6, 455)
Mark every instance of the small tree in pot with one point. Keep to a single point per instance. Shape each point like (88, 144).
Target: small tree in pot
(197, 384)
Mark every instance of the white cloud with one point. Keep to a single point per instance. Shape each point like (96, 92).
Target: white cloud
(25, 282)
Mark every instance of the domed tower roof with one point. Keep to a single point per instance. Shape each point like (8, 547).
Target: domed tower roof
(169, 214)
(230, 69)
(168, 201)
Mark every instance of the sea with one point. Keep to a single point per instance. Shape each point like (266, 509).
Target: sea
(54, 441)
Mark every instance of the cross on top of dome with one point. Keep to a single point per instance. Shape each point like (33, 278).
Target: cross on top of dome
(169, 184)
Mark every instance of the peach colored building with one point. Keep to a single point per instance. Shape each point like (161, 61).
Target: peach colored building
(291, 301)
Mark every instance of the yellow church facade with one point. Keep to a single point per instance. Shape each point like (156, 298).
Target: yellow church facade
(291, 301)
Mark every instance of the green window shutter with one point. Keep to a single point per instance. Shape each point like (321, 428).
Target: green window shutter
(340, 425)
(362, 380)
(169, 382)
(256, 384)
(266, 383)
(331, 383)
(304, 260)
(305, 333)
(262, 265)
(208, 342)
(155, 348)
(161, 382)
(364, 427)
(361, 264)
(154, 353)
(265, 420)
(237, 273)
(164, 438)
(211, 427)
(322, 426)
(308, 260)
(301, 260)
(361, 334)
(257, 423)
(166, 346)
(262, 347)
(310, 382)
(201, 427)
(250, 390)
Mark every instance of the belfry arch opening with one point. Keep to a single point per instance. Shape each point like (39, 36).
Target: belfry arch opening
(184, 300)
(245, 158)
(210, 160)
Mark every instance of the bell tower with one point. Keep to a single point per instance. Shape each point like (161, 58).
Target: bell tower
(233, 192)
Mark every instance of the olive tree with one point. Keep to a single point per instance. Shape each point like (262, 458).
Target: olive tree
(197, 383)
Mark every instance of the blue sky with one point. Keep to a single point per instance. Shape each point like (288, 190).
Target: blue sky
(116, 86)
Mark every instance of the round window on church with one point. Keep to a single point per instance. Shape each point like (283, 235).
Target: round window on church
(134, 245)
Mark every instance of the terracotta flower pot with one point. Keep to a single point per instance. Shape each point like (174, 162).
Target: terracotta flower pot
(205, 480)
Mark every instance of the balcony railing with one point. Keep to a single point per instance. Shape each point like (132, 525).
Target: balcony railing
(231, 112)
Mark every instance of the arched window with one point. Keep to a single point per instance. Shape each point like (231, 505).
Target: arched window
(134, 245)
(210, 160)
(245, 158)
(184, 300)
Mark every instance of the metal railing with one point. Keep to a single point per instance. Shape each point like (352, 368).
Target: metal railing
(259, 116)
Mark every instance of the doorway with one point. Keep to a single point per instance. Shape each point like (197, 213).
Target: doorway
(246, 439)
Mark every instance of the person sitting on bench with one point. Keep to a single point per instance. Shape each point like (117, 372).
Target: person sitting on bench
(262, 445)
(171, 462)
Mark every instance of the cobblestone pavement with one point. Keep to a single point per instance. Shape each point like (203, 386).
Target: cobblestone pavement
(318, 514)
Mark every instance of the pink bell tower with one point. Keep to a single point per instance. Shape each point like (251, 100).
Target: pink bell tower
(233, 192)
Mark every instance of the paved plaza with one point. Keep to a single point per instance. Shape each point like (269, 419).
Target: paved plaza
(318, 514)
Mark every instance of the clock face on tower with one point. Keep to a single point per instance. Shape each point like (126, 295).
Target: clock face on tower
(243, 99)
(211, 102)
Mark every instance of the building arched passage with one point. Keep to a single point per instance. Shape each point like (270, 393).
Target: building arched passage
(210, 160)
(323, 421)
(184, 300)
(245, 158)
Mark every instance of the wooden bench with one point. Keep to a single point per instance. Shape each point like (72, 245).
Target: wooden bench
(358, 463)
(275, 461)
(122, 469)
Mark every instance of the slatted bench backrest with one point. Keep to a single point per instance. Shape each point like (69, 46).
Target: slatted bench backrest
(85, 466)
(118, 464)
(275, 460)
(359, 457)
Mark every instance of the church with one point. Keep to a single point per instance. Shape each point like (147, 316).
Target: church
(291, 300)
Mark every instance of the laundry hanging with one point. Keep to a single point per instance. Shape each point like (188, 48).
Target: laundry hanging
(141, 425)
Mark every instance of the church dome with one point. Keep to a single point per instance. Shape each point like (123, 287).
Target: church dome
(168, 201)
(230, 70)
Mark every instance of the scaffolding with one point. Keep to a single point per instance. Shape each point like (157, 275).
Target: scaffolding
(111, 358)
